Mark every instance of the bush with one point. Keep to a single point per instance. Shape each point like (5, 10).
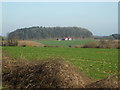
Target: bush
(23, 45)
(109, 44)
(9, 43)
(12, 42)
(91, 45)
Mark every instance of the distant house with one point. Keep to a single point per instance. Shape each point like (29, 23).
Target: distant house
(65, 38)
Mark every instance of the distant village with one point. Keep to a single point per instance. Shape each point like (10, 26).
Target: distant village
(65, 38)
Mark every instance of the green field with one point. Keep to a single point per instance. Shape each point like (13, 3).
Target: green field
(95, 63)
(64, 43)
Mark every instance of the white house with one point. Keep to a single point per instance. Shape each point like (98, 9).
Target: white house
(70, 38)
(65, 38)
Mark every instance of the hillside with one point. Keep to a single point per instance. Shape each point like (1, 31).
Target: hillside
(50, 33)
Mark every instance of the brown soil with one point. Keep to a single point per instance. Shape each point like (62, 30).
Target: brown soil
(48, 74)
(109, 82)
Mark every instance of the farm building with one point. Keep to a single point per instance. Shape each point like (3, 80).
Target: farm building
(65, 38)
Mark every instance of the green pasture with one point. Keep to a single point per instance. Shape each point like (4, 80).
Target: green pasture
(64, 43)
(95, 63)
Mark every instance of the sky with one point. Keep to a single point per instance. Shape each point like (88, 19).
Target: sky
(101, 18)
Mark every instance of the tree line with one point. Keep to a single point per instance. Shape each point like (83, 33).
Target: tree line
(116, 36)
(113, 36)
(50, 33)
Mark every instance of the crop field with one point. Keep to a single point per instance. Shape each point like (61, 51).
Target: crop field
(95, 63)
(64, 43)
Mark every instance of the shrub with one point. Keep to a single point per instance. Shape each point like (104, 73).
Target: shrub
(23, 45)
(12, 42)
(109, 44)
(9, 43)
(91, 45)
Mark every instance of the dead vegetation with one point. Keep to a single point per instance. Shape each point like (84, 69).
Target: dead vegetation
(48, 74)
(111, 44)
(25, 43)
(21, 43)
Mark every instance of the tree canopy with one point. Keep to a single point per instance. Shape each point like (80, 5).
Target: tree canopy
(50, 32)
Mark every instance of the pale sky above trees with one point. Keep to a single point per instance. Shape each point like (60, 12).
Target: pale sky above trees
(101, 18)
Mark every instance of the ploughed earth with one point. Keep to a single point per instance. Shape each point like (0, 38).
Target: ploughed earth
(48, 74)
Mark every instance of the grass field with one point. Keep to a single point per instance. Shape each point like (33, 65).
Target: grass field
(95, 63)
(64, 43)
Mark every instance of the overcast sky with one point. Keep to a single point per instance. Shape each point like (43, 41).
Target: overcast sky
(101, 18)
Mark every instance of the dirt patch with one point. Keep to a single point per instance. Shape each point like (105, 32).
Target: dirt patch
(47, 74)
(109, 82)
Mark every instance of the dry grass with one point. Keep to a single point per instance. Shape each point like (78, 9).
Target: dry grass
(77, 46)
(91, 45)
(113, 44)
(29, 43)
